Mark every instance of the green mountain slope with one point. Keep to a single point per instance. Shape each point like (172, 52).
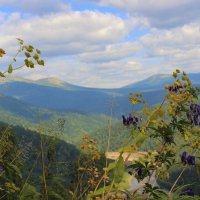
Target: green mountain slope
(76, 125)
(53, 93)
(85, 110)
(63, 168)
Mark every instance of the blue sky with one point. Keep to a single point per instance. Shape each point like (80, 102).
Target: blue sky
(103, 43)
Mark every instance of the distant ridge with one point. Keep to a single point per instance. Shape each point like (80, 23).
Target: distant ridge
(51, 80)
(157, 81)
(56, 82)
(52, 93)
(153, 82)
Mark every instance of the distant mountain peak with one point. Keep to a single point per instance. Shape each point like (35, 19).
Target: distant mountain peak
(52, 81)
(157, 81)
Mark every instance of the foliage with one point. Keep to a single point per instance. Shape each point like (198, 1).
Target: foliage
(174, 127)
(25, 171)
(89, 169)
(32, 57)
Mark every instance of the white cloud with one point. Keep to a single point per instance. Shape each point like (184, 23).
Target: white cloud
(65, 33)
(160, 13)
(179, 45)
(112, 52)
(36, 6)
(186, 35)
(108, 74)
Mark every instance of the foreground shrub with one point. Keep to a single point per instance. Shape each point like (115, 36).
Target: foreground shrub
(174, 128)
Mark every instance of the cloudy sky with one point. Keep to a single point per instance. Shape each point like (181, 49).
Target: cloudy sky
(104, 43)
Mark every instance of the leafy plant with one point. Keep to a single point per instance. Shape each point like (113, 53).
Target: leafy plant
(32, 58)
(176, 119)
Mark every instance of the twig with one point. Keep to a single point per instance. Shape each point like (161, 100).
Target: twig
(43, 161)
(30, 173)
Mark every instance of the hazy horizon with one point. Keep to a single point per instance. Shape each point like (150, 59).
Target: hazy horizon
(56, 80)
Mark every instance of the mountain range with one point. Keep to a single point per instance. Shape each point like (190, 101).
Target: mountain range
(52, 93)
(85, 110)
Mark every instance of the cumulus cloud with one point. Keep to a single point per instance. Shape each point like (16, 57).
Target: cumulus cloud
(176, 45)
(36, 6)
(112, 52)
(162, 13)
(65, 33)
(185, 35)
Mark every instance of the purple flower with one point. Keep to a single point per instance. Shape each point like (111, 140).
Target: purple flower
(198, 109)
(136, 119)
(184, 157)
(170, 88)
(139, 172)
(193, 114)
(187, 191)
(130, 120)
(176, 89)
(187, 158)
(124, 120)
(191, 160)
(196, 119)
(1, 169)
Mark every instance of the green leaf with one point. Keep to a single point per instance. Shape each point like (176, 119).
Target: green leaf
(119, 170)
(99, 191)
(20, 41)
(40, 62)
(10, 69)
(26, 62)
(31, 64)
(29, 48)
(1, 74)
(38, 51)
(27, 54)
(16, 169)
(36, 56)
(111, 166)
(139, 140)
(11, 187)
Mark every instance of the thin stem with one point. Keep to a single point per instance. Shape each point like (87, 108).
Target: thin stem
(87, 188)
(99, 182)
(108, 144)
(43, 162)
(14, 69)
(29, 174)
(180, 175)
(177, 179)
(19, 51)
(80, 176)
(147, 123)
(3, 196)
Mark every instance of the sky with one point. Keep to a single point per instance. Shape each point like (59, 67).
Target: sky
(103, 43)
